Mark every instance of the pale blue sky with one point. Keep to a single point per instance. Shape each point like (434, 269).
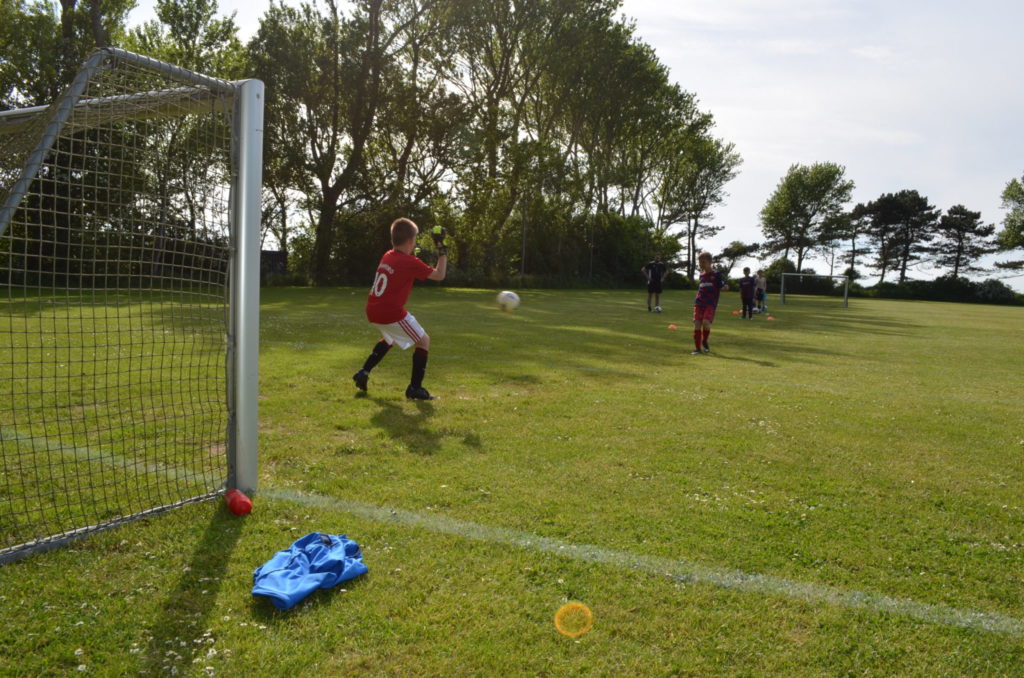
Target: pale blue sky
(908, 94)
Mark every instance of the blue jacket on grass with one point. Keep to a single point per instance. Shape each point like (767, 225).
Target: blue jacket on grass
(316, 561)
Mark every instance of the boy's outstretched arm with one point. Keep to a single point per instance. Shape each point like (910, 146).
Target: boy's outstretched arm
(441, 269)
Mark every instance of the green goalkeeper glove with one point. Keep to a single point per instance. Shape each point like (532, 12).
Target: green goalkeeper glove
(440, 240)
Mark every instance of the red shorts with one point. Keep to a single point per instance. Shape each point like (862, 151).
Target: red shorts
(703, 313)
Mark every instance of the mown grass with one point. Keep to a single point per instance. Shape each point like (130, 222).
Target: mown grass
(873, 449)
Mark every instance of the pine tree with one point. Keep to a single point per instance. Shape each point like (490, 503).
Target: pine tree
(962, 240)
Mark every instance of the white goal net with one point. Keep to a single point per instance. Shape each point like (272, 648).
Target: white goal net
(128, 298)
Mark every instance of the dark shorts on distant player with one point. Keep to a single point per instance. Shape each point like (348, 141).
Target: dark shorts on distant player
(702, 313)
(654, 287)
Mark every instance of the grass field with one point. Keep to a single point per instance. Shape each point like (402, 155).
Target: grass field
(837, 492)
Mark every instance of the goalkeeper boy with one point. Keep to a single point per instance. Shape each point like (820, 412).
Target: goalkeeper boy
(385, 305)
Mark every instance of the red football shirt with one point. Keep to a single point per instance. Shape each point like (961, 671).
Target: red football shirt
(711, 284)
(395, 274)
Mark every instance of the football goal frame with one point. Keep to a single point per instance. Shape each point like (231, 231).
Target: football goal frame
(130, 213)
(845, 278)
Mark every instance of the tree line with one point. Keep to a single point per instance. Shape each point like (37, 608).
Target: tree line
(809, 213)
(545, 136)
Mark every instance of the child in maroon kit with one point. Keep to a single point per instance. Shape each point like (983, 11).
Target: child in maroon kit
(385, 305)
(748, 285)
(711, 284)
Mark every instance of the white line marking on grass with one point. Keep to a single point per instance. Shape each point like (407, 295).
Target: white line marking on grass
(682, 570)
(45, 444)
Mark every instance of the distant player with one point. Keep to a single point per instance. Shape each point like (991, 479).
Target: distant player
(748, 286)
(655, 272)
(385, 305)
(711, 285)
(762, 292)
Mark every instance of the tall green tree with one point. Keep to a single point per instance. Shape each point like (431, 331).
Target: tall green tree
(43, 44)
(854, 226)
(692, 185)
(831, 235)
(28, 68)
(733, 252)
(884, 218)
(189, 34)
(329, 77)
(962, 239)
(1012, 235)
(914, 222)
(495, 68)
(806, 199)
(616, 101)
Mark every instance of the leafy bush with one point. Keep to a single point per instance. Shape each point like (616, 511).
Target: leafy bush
(948, 288)
(775, 270)
(996, 292)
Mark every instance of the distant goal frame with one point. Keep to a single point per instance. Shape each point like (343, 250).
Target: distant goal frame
(845, 278)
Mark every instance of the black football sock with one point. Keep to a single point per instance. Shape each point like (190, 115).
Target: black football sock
(419, 367)
(378, 353)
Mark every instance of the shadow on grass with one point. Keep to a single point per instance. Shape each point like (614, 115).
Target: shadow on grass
(762, 363)
(178, 632)
(829, 317)
(409, 427)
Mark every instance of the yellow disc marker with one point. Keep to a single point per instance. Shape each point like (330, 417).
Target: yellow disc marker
(573, 619)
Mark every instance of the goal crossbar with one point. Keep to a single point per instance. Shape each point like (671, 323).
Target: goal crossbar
(73, 112)
(91, 113)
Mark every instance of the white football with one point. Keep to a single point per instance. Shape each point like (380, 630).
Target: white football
(507, 301)
(657, 309)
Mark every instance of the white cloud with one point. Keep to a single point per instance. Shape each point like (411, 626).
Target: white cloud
(794, 47)
(878, 53)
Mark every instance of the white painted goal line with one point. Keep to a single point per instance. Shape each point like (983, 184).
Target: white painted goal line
(677, 569)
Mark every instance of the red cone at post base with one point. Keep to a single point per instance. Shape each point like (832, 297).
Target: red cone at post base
(238, 503)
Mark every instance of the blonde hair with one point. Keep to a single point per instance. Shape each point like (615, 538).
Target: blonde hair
(403, 230)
